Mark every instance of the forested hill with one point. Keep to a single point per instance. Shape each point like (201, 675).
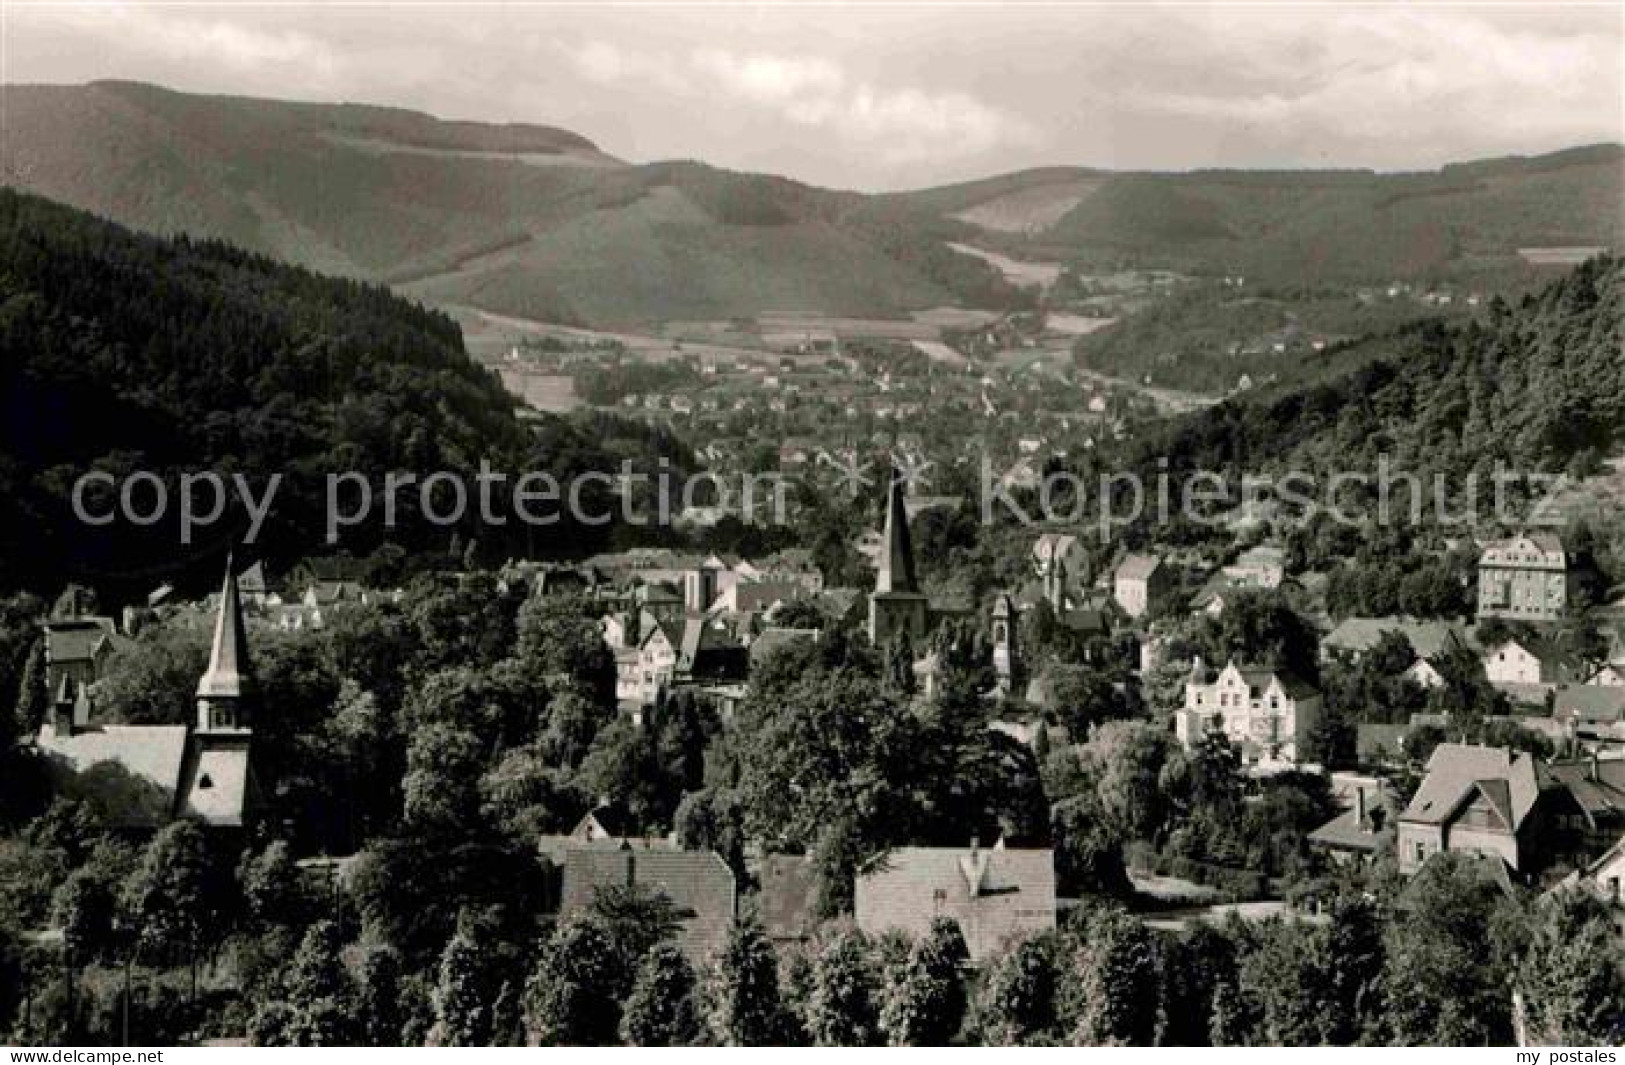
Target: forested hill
(125, 352)
(528, 221)
(1539, 385)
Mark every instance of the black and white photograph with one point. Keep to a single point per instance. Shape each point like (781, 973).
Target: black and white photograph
(809, 524)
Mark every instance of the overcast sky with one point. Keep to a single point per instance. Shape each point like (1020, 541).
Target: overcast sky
(902, 96)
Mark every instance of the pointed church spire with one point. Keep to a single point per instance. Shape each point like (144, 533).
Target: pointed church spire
(228, 676)
(896, 553)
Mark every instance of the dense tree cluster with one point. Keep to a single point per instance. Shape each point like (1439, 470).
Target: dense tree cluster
(1536, 387)
(129, 353)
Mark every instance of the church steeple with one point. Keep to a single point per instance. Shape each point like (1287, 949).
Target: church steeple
(897, 553)
(229, 682)
(896, 607)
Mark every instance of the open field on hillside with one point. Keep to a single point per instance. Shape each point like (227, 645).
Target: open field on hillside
(1022, 272)
(1028, 210)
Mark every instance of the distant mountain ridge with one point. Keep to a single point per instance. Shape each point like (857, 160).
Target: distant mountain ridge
(537, 222)
(1461, 221)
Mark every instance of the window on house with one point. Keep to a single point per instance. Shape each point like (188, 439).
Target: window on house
(204, 783)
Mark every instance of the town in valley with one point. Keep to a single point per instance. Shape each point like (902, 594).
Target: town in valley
(1178, 602)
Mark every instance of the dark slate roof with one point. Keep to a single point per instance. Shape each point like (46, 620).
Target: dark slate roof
(1258, 677)
(708, 650)
(1598, 789)
(1347, 832)
(76, 639)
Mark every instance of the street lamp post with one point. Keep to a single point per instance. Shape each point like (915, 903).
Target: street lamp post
(122, 932)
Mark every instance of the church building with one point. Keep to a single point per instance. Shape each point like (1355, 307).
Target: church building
(142, 776)
(897, 607)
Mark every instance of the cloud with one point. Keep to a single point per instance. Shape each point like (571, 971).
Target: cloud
(1396, 82)
(897, 123)
(887, 96)
(216, 41)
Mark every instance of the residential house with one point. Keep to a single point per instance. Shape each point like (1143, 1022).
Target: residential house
(1604, 879)
(994, 893)
(605, 827)
(1429, 641)
(1584, 710)
(756, 597)
(1607, 675)
(1522, 662)
(1598, 787)
(77, 649)
(1268, 713)
(699, 884)
(1491, 802)
(1141, 584)
(793, 564)
(1365, 825)
(664, 602)
(1261, 566)
(252, 586)
(1525, 577)
(1424, 673)
(673, 654)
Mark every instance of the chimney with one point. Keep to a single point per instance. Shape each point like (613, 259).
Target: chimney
(1359, 806)
(1596, 771)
